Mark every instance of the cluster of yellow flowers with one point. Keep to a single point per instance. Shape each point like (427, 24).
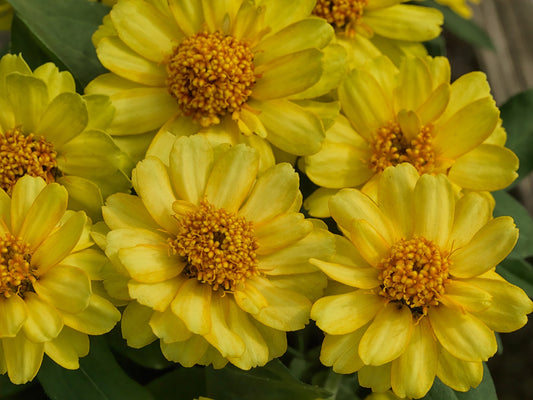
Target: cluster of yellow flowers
(207, 109)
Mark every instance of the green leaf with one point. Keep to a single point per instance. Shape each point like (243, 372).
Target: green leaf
(63, 30)
(519, 273)
(485, 390)
(518, 122)
(508, 205)
(7, 388)
(182, 383)
(273, 381)
(22, 41)
(463, 28)
(436, 47)
(342, 387)
(99, 378)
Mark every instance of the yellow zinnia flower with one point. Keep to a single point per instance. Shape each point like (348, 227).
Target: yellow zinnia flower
(214, 255)
(192, 66)
(412, 114)
(48, 130)
(421, 296)
(460, 6)
(367, 28)
(47, 264)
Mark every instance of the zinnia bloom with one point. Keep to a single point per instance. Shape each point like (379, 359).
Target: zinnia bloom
(196, 65)
(47, 265)
(50, 131)
(421, 297)
(214, 255)
(368, 28)
(412, 114)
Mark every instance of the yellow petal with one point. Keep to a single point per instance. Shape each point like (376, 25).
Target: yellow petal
(359, 277)
(293, 225)
(98, 318)
(193, 306)
(143, 28)
(395, 197)
(462, 334)
(44, 322)
(26, 190)
(345, 313)
(48, 207)
(188, 15)
(387, 336)
(466, 89)
(487, 167)
(341, 352)
(191, 161)
(472, 212)
(188, 352)
(364, 103)
(489, 246)
(13, 313)
(135, 325)
(232, 177)
(60, 244)
(458, 374)
(273, 194)
(378, 378)
(23, 358)
(413, 373)
(29, 96)
(467, 128)
(465, 296)
(371, 245)
(350, 204)
(435, 104)
(285, 310)
(435, 208)
(156, 295)
(150, 264)
(66, 288)
(509, 307)
(414, 84)
(168, 327)
(226, 341)
(126, 211)
(152, 184)
(67, 348)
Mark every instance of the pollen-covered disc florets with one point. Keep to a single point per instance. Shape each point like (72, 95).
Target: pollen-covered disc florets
(414, 273)
(219, 247)
(391, 147)
(341, 13)
(25, 155)
(211, 75)
(17, 276)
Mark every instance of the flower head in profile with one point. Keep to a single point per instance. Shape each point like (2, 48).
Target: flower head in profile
(420, 294)
(196, 65)
(460, 7)
(412, 114)
(213, 255)
(50, 131)
(47, 269)
(368, 28)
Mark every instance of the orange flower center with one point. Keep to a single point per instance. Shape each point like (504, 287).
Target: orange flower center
(414, 273)
(17, 276)
(341, 13)
(24, 155)
(219, 247)
(211, 75)
(391, 147)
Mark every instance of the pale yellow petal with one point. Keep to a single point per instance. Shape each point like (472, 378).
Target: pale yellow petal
(458, 374)
(67, 348)
(188, 352)
(345, 313)
(43, 322)
(29, 96)
(232, 177)
(489, 246)
(371, 245)
(149, 263)
(317, 203)
(435, 208)
(193, 306)
(462, 334)
(341, 352)
(156, 295)
(135, 325)
(98, 318)
(414, 84)
(358, 277)
(221, 336)
(293, 225)
(23, 358)
(23, 196)
(435, 104)
(13, 314)
(273, 194)
(413, 373)
(123, 210)
(168, 327)
(387, 336)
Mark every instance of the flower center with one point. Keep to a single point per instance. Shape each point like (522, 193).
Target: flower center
(17, 276)
(341, 13)
(24, 155)
(414, 273)
(211, 75)
(219, 247)
(391, 148)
